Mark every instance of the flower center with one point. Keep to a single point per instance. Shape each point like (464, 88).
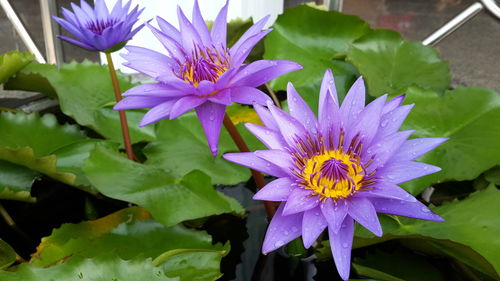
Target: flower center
(98, 26)
(329, 170)
(204, 64)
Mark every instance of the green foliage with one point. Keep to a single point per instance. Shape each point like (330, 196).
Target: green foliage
(466, 116)
(468, 234)
(189, 144)
(11, 62)
(169, 200)
(101, 268)
(86, 94)
(389, 64)
(16, 181)
(7, 255)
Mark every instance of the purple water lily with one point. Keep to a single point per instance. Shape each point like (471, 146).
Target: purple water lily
(200, 72)
(343, 167)
(97, 29)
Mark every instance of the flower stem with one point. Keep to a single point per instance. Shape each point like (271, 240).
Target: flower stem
(123, 117)
(273, 95)
(242, 146)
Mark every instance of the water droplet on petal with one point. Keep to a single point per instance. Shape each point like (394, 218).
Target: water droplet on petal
(279, 243)
(294, 229)
(345, 245)
(286, 232)
(425, 209)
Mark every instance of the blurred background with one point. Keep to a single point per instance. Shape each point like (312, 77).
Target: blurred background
(473, 50)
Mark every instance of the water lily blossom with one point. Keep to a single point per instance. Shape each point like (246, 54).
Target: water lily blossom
(200, 71)
(98, 29)
(337, 169)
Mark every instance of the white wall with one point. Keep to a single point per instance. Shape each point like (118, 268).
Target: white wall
(167, 9)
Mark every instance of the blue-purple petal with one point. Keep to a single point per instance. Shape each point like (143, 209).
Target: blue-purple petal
(362, 211)
(211, 116)
(277, 190)
(313, 224)
(282, 230)
(341, 245)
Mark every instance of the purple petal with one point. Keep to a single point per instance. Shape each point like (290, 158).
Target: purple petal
(277, 157)
(366, 125)
(270, 138)
(266, 117)
(185, 104)
(383, 150)
(353, 103)
(219, 28)
(169, 29)
(263, 71)
(362, 211)
(341, 244)
(313, 224)
(148, 61)
(252, 31)
(290, 127)
(393, 104)
(172, 46)
(386, 190)
(391, 121)
(222, 97)
(239, 55)
(200, 25)
(249, 95)
(101, 10)
(329, 120)
(334, 213)
(156, 90)
(277, 190)
(189, 34)
(414, 148)
(404, 208)
(211, 116)
(157, 113)
(327, 89)
(78, 43)
(300, 200)
(69, 27)
(250, 160)
(118, 10)
(134, 102)
(399, 172)
(299, 109)
(281, 230)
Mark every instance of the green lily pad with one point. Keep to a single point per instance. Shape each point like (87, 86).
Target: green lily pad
(16, 181)
(470, 117)
(86, 94)
(299, 35)
(103, 268)
(7, 255)
(11, 62)
(389, 64)
(169, 200)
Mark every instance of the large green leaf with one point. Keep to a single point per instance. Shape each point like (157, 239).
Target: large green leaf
(42, 133)
(85, 93)
(16, 181)
(30, 140)
(102, 268)
(299, 35)
(181, 147)
(169, 200)
(470, 230)
(11, 62)
(389, 64)
(470, 117)
(380, 264)
(131, 233)
(7, 255)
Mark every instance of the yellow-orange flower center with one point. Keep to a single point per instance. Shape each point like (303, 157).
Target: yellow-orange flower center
(333, 174)
(204, 64)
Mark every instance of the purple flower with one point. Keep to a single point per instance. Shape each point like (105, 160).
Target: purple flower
(343, 167)
(200, 72)
(97, 29)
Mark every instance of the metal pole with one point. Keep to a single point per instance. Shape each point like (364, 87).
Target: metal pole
(21, 30)
(453, 24)
(52, 44)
